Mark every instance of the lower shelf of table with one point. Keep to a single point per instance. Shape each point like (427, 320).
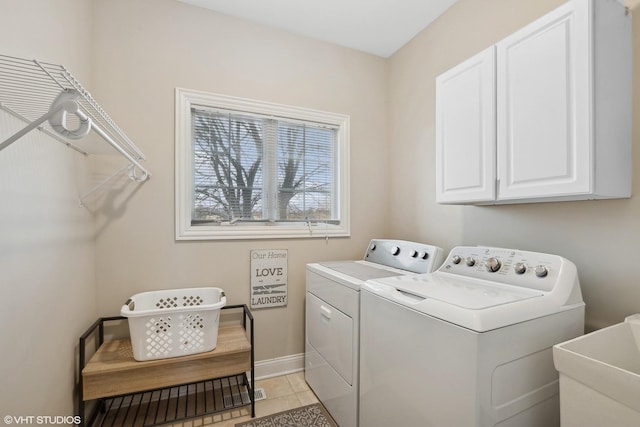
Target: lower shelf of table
(174, 404)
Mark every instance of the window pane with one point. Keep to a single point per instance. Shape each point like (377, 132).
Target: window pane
(305, 172)
(257, 168)
(227, 153)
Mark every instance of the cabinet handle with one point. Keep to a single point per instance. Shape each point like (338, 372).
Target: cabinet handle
(325, 312)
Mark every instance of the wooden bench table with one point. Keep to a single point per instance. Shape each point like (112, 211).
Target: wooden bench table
(113, 372)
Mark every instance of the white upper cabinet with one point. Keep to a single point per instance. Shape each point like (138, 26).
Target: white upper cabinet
(562, 112)
(544, 139)
(466, 120)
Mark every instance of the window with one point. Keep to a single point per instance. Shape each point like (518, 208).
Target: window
(248, 169)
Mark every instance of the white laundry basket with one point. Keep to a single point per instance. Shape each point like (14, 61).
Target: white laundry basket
(173, 323)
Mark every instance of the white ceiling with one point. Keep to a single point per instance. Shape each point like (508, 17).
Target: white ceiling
(380, 27)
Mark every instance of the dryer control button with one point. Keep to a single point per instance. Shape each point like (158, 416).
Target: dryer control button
(456, 259)
(395, 250)
(470, 261)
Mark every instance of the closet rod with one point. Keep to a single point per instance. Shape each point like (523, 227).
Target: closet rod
(119, 149)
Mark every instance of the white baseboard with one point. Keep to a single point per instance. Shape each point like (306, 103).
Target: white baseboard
(279, 366)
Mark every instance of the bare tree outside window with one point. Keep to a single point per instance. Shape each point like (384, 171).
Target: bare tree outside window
(232, 154)
(305, 173)
(227, 162)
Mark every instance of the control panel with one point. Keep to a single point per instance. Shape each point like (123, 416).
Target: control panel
(404, 255)
(510, 266)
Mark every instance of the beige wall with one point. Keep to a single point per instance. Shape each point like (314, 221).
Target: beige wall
(143, 50)
(600, 237)
(47, 285)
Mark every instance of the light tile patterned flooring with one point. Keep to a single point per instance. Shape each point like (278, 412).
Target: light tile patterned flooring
(283, 393)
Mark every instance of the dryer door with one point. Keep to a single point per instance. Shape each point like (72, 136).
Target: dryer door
(330, 332)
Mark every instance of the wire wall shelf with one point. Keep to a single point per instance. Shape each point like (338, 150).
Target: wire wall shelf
(47, 97)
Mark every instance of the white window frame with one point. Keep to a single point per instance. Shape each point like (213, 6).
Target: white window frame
(185, 100)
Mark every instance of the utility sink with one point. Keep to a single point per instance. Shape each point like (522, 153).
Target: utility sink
(600, 377)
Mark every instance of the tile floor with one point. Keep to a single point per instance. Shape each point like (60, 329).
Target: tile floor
(283, 393)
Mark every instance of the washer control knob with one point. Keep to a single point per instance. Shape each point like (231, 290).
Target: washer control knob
(520, 268)
(541, 271)
(373, 246)
(456, 259)
(470, 261)
(395, 250)
(493, 264)
(424, 255)
(413, 253)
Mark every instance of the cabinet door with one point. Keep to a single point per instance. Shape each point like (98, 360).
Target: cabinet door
(465, 131)
(544, 136)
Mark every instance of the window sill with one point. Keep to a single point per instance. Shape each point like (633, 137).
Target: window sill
(272, 231)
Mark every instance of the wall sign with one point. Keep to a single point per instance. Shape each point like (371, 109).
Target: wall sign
(268, 278)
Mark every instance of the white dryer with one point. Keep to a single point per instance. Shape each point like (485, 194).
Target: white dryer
(469, 344)
(333, 318)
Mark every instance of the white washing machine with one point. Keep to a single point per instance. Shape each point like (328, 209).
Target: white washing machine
(469, 344)
(333, 318)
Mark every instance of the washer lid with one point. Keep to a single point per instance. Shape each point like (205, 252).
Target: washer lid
(462, 292)
(361, 270)
(475, 304)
